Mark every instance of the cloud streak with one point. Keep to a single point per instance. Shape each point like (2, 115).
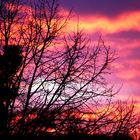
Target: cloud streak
(124, 22)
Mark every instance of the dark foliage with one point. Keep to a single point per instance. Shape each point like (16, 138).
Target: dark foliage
(10, 62)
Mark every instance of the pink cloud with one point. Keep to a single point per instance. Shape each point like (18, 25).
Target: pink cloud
(129, 74)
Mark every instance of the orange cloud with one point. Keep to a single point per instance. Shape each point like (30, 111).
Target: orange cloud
(92, 23)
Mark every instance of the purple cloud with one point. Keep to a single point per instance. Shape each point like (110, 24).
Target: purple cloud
(106, 7)
(130, 34)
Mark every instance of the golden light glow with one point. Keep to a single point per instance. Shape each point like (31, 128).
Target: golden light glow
(93, 23)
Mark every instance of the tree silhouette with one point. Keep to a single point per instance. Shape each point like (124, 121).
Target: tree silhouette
(55, 78)
(10, 62)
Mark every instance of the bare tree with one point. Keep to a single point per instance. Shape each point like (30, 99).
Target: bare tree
(113, 119)
(9, 20)
(60, 74)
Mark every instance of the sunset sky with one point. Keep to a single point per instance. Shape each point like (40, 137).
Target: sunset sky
(57, 80)
(118, 22)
